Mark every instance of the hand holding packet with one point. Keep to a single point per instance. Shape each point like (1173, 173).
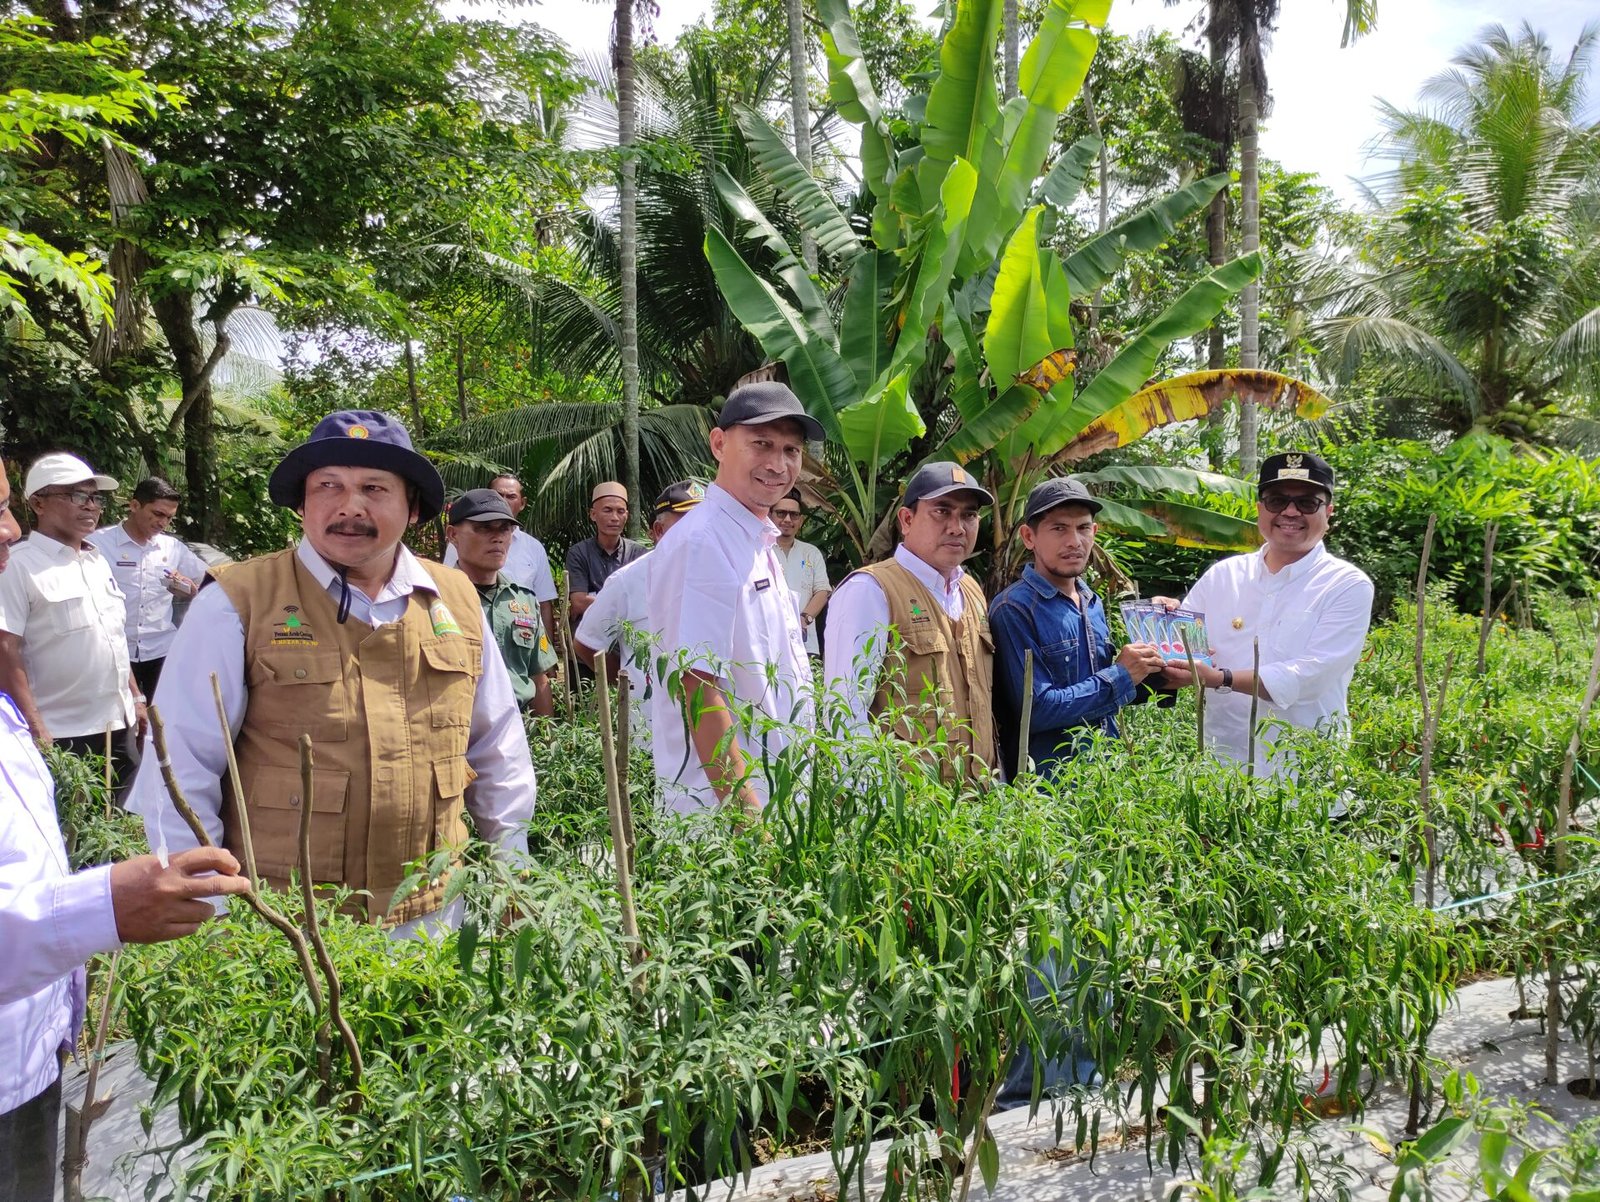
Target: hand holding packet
(1168, 630)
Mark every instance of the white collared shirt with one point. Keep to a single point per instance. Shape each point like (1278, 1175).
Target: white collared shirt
(141, 571)
(1311, 617)
(720, 602)
(807, 575)
(621, 610)
(51, 921)
(211, 639)
(527, 564)
(858, 626)
(66, 608)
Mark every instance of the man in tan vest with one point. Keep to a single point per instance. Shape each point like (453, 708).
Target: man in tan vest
(939, 676)
(378, 656)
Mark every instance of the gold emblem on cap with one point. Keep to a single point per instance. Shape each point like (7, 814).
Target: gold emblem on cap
(1293, 460)
(357, 432)
(1238, 623)
(959, 476)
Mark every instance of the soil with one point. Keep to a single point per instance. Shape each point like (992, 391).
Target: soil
(1585, 1087)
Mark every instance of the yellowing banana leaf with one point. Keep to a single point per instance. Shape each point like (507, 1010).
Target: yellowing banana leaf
(1191, 396)
(1175, 522)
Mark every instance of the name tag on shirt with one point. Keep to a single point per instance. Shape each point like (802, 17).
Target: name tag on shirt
(127, 563)
(763, 585)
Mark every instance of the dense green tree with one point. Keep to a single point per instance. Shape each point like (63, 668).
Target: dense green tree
(1477, 292)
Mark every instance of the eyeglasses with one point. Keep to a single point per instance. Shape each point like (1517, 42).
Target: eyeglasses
(786, 513)
(82, 498)
(1303, 503)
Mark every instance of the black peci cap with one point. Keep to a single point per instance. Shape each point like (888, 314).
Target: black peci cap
(1301, 467)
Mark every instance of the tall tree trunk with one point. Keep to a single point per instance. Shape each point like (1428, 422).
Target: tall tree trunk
(1008, 18)
(461, 375)
(1250, 69)
(1217, 214)
(800, 109)
(622, 58)
(202, 501)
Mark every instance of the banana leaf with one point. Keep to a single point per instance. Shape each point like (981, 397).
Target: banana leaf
(863, 338)
(1060, 187)
(882, 425)
(1175, 522)
(850, 88)
(1097, 260)
(962, 118)
(790, 269)
(1190, 396)
(1127, 373)
(992, 422)
(816, 373)
(1018, 333)
(1169, 479)
(817, 212)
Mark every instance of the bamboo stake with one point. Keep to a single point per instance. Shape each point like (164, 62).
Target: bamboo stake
(271, 917)
(1027, 712)
(1424, 795)
(1255, 701)
(108, 770)
(247, 847)
(1199, 695)
(569, 651)
(313, 925)
(80, 1118)
(624, 737)
(1552, 1005)
(1490, 532)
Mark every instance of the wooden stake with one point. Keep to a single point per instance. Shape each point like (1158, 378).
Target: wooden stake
(1552, 1005)
(1255, 701)
(108, 770)
(1199, 696)
(1424, 798)
(308, 895)
(80, 1118)
(624, 735)
(1027, 712)
(569, 651)
(247, 848)
(1487, 621)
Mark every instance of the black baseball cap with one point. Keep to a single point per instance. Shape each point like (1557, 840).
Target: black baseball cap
(480, 505)
(768, 401)
(678, 498)
(1062, 490)
(1300, 467)
(941, 479)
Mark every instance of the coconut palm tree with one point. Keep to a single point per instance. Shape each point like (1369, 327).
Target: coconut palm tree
(1478, 295)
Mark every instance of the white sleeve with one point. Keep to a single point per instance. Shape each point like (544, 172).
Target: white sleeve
(858, 622)
(190, 564)
(602, 621)
(1331, 649)
(211, 639)
(450, 557)
(14, 601)
(544, 583)
(501, 796)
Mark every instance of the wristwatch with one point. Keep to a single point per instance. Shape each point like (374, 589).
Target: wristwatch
(1227, 681)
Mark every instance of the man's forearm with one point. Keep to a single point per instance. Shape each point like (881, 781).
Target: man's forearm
(577, 603)
(14, 682)
(717, 743)
(547, 611)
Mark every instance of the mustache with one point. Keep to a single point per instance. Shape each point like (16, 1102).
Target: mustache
(351, 527)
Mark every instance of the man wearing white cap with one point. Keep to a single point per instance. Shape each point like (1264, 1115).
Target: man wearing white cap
(63, 654)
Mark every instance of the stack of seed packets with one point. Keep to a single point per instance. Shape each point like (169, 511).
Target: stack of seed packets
(1168, 630)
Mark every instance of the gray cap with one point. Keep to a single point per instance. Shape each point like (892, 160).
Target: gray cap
(768, 401)
(939, 480)
(1062, 490)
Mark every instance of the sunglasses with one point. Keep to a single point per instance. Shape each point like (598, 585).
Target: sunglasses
(1303, 503)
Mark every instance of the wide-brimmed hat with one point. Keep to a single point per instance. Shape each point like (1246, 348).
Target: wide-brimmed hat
(357, 438)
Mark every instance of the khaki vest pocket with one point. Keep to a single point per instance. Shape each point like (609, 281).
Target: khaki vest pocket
(317, 678)
(275, 795)
(452, 668)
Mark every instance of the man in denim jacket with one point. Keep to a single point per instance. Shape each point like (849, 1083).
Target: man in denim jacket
(1079, 681)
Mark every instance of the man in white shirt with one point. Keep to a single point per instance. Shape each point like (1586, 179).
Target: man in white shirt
(738, 676)
(63, 651)
(1309, 609)
(941, 685)
(527, 563)
(151, 568)
(803, 566)
(51, 921)
(379, 657)
(617, 624)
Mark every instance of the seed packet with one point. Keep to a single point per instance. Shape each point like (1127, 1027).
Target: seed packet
(1168, 630)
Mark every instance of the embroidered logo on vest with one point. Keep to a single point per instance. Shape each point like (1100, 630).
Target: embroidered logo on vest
(444, 622)
(918, 614)
(292, 632)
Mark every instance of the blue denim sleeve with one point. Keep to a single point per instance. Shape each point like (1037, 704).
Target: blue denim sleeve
(1054, 706)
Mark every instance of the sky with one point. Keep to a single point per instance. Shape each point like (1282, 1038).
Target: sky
(1324, 98)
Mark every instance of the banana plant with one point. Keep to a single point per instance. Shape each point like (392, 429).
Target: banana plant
(953, 336)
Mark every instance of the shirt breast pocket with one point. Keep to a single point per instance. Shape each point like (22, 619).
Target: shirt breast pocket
(1060, 661)
(66, 608)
